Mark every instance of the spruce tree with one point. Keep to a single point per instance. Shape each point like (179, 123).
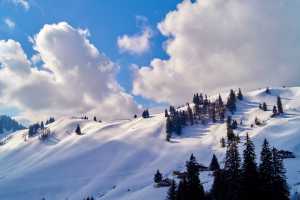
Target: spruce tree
(275, 112)
(232, 172)
(280, 188)
(166, 113)
(195, 188)
(158, 177)
(190, 113)
(249, 173)
(218, 190)
(172, 191)
(78, 130)
(264, 106)
(279, 105)
(214, 164)
(182, 191)
(169, 128)
(266, 171)
(240, 95)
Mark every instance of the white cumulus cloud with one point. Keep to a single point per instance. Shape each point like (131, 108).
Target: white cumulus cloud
(75, 77)
(135, 44)
(215, 44)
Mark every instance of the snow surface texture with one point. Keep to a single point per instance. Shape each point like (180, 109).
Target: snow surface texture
(117, 160)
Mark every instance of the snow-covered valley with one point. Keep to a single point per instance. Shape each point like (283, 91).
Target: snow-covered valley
(116, 160)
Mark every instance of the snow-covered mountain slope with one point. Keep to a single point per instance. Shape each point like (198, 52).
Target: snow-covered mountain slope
(117, 160)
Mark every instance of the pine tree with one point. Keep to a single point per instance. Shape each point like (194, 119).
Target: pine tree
(42, 125)
(95, 118)
(214, 164)
(280, 188)
(275, 112)
(240, 95)
(279, 105)
(264, 106)
(166, 113)
(169, 128)
(78, 130)
(249, 173)
(266, 171)
(195, 188)
(182, 191)
(190, 113)
(232, 172)
(158, 177)
(218, 190)
(172, 191)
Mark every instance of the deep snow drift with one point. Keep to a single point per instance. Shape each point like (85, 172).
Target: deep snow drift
(117, 160)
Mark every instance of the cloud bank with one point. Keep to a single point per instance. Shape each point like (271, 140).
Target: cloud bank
(215, 44)
(75, 77)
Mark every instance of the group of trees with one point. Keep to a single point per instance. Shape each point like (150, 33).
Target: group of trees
(203, 110)
(236, 180)
(50, 120)
(190, 186)
(248, 181)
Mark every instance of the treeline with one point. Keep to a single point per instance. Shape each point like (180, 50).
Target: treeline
(236, 180)
(38, 128)
(202, 111)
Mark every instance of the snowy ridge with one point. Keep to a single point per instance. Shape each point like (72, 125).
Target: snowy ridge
(116, 160)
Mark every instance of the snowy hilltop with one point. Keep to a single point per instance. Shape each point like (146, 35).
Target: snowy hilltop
(72, 158)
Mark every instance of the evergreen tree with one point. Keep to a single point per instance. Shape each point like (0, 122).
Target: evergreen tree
(42, 125)
(158, 177)
(266, 171)
(279, 105)
(268, 91)
(231, 102)
(230, 135)
(166, 113)
(78, 130)
(214, 164)
(195, 188)
(232, 172)
(218, 190)
(264, 106)
(249, 173)
(172, 191)
(190, 113)
(280, 188)
(182, 191)
(95, 118)
(240, 95)
(169, 128)
(275, 111)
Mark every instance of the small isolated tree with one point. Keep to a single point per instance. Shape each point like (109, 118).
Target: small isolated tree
(264, 106)
(95, 118)
(268, 90)
(240, 95)
(78, 130)
(135, 116)
(275, 112)
(214, 164)
(279, 105)
(172, 191)
(158, 177)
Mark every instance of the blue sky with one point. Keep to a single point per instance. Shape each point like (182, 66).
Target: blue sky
(105, 19)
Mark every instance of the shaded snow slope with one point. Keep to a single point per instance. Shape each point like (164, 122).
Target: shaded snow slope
(117, 160)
